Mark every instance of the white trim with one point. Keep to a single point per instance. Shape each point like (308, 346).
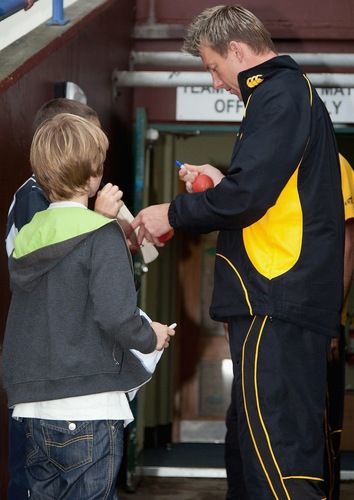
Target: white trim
(212, 473)
(347, 475)
(156, 471)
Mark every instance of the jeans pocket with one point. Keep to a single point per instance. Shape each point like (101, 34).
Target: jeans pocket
(68, 444)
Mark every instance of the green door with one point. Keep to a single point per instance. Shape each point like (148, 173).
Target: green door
(155, 181)
(132, 447)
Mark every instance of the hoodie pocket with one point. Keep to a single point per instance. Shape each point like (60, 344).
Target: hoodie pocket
(117, 355)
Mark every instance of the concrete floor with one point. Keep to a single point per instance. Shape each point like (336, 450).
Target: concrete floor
(166, 488)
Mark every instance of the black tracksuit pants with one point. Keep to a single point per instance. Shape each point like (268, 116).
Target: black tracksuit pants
(279, 394)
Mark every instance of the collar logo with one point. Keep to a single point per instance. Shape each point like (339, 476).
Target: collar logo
(253, 81)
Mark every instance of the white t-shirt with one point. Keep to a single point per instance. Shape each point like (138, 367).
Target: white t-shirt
(103, 406)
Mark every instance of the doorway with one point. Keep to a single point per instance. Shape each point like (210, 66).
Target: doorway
(200, 358)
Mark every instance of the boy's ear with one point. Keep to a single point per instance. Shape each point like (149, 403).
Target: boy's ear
(92, 186)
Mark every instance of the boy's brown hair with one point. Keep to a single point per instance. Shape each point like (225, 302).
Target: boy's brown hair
(66, 151)
(62, 105)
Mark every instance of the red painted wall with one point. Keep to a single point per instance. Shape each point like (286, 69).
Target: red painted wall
(286, 19)
(302, 26)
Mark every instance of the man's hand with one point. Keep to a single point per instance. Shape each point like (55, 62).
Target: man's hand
(188, 174)
(333, 355)
(152, 222)
(109, 201)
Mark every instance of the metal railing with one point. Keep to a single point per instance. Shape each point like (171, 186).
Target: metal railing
(10, 7)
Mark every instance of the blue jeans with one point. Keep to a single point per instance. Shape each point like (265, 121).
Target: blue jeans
(73, 460)
(18, 486)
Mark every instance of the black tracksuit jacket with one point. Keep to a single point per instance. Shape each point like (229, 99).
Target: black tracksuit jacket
(279, 209)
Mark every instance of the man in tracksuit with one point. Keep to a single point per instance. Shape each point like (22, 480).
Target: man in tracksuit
(279, 258)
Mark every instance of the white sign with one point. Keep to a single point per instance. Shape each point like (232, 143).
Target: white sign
(339, 102)
(208, 104)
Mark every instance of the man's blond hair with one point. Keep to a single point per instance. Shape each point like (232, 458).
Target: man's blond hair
(217, 26)
(66, 151)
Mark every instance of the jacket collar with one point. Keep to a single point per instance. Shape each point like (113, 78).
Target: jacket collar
(251, 78)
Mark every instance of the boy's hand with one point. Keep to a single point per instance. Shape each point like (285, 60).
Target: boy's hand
(29, 4)
(163, 334)
(109, 201)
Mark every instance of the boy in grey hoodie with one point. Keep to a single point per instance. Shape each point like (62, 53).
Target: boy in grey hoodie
(74, 313)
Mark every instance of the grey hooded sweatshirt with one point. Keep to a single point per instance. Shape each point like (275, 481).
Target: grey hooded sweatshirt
(73, 315)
